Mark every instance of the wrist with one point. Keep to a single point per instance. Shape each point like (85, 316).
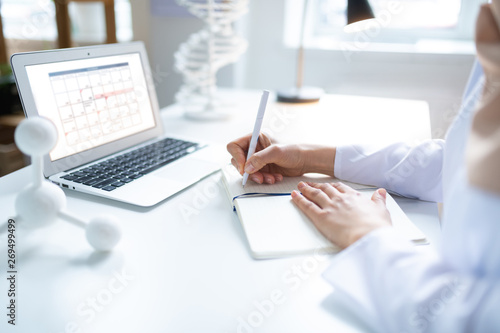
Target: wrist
(319, 159)
(358, 234)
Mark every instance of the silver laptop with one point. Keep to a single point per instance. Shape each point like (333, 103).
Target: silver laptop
(110, 138)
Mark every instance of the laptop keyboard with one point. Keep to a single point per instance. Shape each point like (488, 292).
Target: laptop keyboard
(123, 169)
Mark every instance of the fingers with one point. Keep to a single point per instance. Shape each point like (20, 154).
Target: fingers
(343, 188)
(265, 177)
(379, 196)
(333, 189)
(238, 149)
(306, 206)
(271, 154)
(264, 141)
(278, 177)
(235, 164)
(271, 178)
(325, 187)
(257, 177)
(315, 195)
(486, 31)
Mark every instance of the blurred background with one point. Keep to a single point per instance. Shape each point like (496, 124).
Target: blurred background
(421, 49)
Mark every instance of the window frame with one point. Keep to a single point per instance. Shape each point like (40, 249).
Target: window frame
(457, 40)
(39, 23)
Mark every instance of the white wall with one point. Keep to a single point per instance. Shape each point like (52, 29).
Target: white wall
(438, 79)
(162, 36)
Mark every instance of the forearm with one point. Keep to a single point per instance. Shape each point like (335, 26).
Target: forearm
(409, 170)
(318, 159)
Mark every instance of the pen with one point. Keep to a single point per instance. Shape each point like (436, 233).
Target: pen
(256, 129)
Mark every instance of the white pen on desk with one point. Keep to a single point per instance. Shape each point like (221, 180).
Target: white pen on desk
(256, 129)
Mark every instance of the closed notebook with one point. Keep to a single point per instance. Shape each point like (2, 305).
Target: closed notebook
(275, 227)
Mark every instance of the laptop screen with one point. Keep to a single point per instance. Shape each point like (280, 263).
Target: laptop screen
(92, 101)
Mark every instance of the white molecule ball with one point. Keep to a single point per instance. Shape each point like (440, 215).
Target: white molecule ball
(36, 136)
(39, 206)
(103, 232)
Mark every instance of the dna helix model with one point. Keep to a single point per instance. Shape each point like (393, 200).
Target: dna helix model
(205, 52)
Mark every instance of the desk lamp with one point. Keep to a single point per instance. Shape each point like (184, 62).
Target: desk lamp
(359, 14)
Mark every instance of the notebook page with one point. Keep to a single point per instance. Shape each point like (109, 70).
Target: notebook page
(274, 225)
(234, 183)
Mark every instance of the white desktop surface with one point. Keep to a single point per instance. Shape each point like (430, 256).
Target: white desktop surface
(188, 256)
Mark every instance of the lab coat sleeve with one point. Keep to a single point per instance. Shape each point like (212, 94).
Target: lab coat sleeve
(413, 171)
(396, 287)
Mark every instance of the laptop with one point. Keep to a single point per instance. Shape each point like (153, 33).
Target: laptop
(111, 142)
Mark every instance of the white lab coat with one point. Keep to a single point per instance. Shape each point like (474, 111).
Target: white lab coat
(397, 287)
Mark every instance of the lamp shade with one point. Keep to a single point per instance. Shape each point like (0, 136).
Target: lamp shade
(358, 10)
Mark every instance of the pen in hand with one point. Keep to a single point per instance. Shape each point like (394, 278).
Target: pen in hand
(256, 129)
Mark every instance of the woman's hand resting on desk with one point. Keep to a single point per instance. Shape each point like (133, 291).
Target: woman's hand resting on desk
(340, 213)
(272, 161)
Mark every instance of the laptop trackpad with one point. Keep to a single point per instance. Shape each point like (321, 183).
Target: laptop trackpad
(189, 170)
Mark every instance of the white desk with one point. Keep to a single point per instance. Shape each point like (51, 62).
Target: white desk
(194, 273)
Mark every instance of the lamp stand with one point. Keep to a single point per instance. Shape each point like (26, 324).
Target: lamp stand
(300, 93)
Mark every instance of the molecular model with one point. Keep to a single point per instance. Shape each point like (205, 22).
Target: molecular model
(205, 52)
(41, 202)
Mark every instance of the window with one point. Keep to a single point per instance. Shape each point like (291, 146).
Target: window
(405, 25)
(35, 20)
(28, 19)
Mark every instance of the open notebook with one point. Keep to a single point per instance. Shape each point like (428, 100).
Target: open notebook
(275, 227)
